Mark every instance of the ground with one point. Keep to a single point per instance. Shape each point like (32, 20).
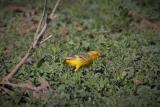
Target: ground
(127, 32)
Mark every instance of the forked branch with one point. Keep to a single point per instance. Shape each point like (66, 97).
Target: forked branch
(42, 26)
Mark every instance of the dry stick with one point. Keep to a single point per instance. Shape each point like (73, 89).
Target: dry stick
(29, 52)
(28, 85)
(37, 36)
(35, 40)
(44, 40)
(18, 66)
(41, 20)
(42, 87)
(54, 9)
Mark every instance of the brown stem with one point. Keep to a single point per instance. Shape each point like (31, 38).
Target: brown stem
(36, 41)
(18, 66)
(30, 86)
(41, 20)
(44, 40)
(54, 9)
(36, 38)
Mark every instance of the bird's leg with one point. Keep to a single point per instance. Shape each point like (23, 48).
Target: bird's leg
(77, 67)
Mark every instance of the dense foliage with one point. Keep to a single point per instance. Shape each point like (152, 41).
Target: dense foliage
(127, 77)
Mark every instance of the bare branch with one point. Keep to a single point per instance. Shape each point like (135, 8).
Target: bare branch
(36, 41)
(41, 20)
(17, 67)
(29, 85)
(29, 52)
(44, 40)
(54, 10)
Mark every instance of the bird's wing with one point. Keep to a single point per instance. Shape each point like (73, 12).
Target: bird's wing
(84, 56)
(72, 57)
(81, 57)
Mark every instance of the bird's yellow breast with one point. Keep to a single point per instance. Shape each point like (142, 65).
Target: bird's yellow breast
(78, 62)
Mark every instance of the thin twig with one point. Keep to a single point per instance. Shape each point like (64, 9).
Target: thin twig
(29, 52)
(36, 41)
(17, 67)
(54, 10)
(44, 40)
(41, 20)
(29, 86)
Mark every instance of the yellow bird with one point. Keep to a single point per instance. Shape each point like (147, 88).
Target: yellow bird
(83, 60)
